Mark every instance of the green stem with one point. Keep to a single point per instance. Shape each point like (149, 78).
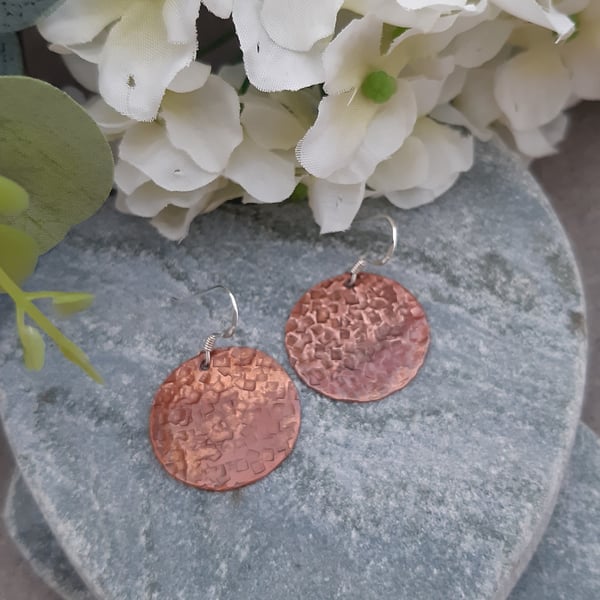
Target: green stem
(244, 87)
(67, 347)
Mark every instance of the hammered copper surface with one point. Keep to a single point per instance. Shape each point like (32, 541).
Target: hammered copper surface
(227, 426)
(359, 343)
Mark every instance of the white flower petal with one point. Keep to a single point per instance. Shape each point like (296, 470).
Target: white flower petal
(446, 5)
(582, 57)
(480, 44)
(532, 11)
(86, 73)
(138, 63)
(128, 178)
(533, 144)
(190, 78)
(180, 20)
(107, 118)
(174, 221)
(205, 123)
(477, 102)
(270, 67)
(556, 130)
(265, 175)
(542, 141)
(336, 135)
(450, 151)
(449, 115)
(427, 93)
(453, 85)
(269, 124)
(80, 21)
(234, 75)
(221, 8)
(412, 198)
(352, 55)
(334, 206)
(149, 199)
(147, 147)
(90, 51)
(121, 202)
(405, 169)
(386, 132)
(532, 88)
(299, 24)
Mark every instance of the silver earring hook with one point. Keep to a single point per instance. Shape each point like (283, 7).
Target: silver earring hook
(363, 261)
(209, 344)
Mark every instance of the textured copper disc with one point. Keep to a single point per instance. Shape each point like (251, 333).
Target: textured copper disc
(229, 425)
(358, 343)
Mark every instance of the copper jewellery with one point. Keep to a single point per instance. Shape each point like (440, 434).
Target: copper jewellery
(226, 417)
(358, 336)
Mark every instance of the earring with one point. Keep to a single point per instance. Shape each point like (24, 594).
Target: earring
(225, 418)
(358, 336)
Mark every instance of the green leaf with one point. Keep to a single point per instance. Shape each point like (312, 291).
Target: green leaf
(18, 254)
(16, 14)
(67, 347)
(67, 303)
(52, 148)
(13, 198)
(34, 347)
(11, 61)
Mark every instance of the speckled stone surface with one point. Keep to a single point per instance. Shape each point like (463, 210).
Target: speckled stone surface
(566, 565)
(440, 491)
(30, 532)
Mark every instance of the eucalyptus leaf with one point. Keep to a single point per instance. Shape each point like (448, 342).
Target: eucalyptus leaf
(13, 198)
(11, 60)
(18, 254)
(34, 347)
(18, 14)
(53, 149)
(67, 303)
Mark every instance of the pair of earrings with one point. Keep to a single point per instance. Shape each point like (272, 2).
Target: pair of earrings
(229, 416)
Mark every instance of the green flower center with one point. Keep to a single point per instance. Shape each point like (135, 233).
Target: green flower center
(379, 87)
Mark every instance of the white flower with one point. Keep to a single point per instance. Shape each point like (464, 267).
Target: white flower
(542, 14)
(264, 163)
(139, 46)
(523, 96)
(172, 168)
(334, 205)
(175, 219)
(270, 66)
(427, 165)
(403, 82)
(221, 8)
(368, 114)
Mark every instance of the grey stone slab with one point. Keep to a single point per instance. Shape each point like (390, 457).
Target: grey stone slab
(440, 491)
(33, 537)
(566, 565)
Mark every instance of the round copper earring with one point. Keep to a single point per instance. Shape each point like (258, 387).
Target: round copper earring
(358, 336)
(226, 417)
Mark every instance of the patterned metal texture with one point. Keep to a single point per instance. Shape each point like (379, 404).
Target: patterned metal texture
(229, 425)
(358, 343)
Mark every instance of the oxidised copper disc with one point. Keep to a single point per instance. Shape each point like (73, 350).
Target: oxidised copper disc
(227, 426)
(358, 343)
